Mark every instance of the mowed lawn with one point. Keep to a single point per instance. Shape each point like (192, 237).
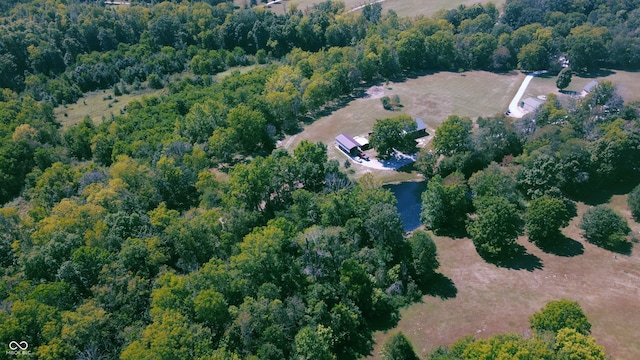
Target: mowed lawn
(492, 300)
(627, 84)
(431, 97)
(408, 8)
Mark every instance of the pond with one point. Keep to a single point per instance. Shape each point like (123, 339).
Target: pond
(409, 202)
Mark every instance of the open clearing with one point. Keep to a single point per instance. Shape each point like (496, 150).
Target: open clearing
(409, 8)
(492, 300)
(431, 97)
(627, 84)
(101, 104)
(98, 105)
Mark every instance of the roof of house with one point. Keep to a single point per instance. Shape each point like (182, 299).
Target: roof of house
(589, 87)
(420, 125)
(361, 141)
(346, 141)
(531, 103)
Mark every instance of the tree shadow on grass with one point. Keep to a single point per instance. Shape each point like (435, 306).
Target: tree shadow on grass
(455, 232)
(409, 168)
(601, 193)
(623, 248)
(518, 259)
(440, 286)
(594, 73)
(562, 246)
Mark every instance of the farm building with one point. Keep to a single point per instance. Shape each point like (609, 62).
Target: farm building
(347, 144)
(363, 142)
(420, 131)
(590, 86)
(421, 128)
(531, 104)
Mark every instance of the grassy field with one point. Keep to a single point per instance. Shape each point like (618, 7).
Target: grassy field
(98, 105)
(408, 8)
(627, 83)
(101, 104)
(432, 97)
(493, 300)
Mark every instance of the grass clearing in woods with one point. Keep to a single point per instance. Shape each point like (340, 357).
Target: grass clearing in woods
(99, 105)
(432, 97)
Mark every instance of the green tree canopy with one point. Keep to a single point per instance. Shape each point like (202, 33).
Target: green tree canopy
(314, 344)
(445, 203)
(564, 78)
(560, 314)
(496, 229)
(424, 253)
(397, 347)
(572, 345)
(604, 227)
(633, 201)
(393, 134)
(453, 136)
(544, 218)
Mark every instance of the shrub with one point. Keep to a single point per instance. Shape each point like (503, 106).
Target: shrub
(604, 227)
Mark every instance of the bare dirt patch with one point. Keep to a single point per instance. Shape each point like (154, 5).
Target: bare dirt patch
(375, 92)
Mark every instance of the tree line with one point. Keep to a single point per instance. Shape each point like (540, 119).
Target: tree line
(62, 49)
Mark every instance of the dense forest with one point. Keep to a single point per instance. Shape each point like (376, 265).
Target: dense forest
(176, 230)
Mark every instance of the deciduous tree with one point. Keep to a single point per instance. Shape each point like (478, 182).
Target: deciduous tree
(560, 314)
(633, 201)
(496, 229)
(604, 227)
(544, 218)
(424, 253)
(393, 134)
(572, 345)
(445, 203)
(397, 347)
(453, 136)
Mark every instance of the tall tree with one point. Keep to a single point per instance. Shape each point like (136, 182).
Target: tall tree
(604, 227)
(453, 136)
(314, 343)
(560, 314)
(571, 344)
(544, 218)
(564, 78)
(633, 201)
(424, 253)
(496, 229)
(393, 134)
(397, 347)
(445, 203)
